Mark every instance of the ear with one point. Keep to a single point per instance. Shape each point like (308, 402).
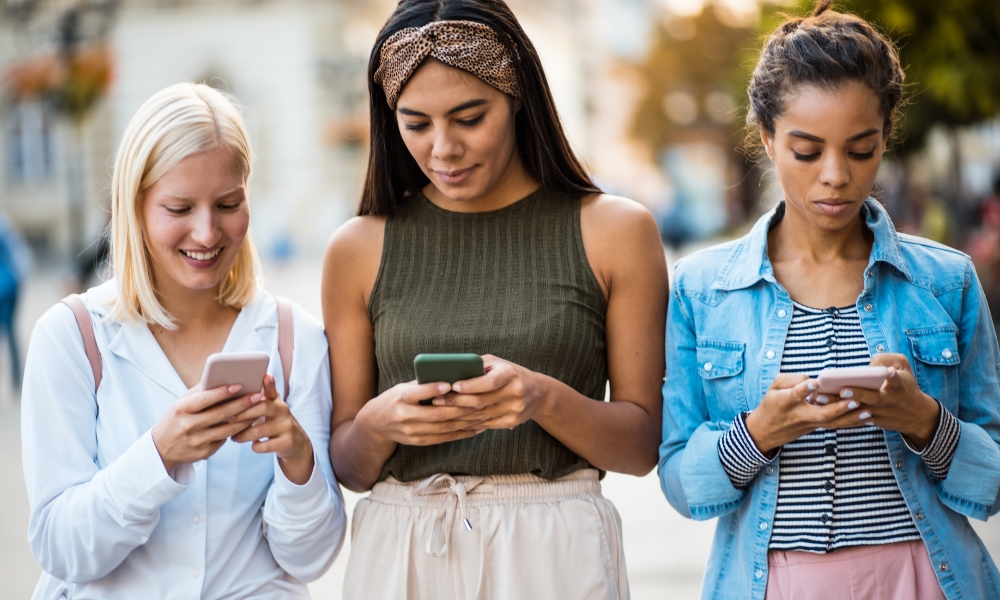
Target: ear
(768, 141)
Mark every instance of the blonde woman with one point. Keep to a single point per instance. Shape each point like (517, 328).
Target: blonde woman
(151, 486)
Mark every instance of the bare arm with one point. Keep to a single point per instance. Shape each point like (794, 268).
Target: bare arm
(366, 428)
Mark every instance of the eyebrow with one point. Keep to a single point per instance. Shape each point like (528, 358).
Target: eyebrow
(219, 197)
(459, 108)
(813, 138)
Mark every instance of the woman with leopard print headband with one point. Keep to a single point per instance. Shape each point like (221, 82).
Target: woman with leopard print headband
(479, 232)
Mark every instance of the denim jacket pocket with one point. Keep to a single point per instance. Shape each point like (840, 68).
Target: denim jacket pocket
(935, 353)
(720, 364)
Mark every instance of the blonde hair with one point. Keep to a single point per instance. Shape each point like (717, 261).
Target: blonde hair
(175, 123)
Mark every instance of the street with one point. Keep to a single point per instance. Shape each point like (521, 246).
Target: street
(665, 552)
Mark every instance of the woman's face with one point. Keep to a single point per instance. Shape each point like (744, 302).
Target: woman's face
(195, 218)
(459, 129)
(826, 148)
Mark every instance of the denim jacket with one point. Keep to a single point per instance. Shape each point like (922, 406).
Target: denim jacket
(920, 299)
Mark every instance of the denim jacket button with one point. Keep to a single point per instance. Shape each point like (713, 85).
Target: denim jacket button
(770, 354)
(781, 314)
(920, 516)
(868, 307)
(943, 566)
(770, 470)
(880, 348)
(708, 366)
(946, 353)
(763, 526)
(758, 574)
(899, 465)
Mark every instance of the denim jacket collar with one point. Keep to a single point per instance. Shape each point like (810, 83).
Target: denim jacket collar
(748, 262)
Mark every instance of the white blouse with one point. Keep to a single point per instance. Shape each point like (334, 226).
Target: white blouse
(107, 521)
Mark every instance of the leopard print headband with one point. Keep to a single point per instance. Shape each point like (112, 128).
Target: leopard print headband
(465, 45)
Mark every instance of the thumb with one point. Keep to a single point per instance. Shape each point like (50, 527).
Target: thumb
(270, 391)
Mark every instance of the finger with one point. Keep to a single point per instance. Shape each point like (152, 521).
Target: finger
(433, 414)
(259, 409)
(891, 360)
(801, 390)
(498, 376)
(224, 412)
(861, 395)
(413, 393)
(431, 440)
(827, 416)
(475, 401)
(221, 433)
(787, 380)
(267, 429)
(894, 379)
(270, 391)
(200, 400)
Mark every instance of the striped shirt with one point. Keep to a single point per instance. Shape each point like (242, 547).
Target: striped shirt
(835, 486)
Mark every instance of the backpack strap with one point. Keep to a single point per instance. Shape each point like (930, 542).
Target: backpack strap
(86, 326)
(286, 340)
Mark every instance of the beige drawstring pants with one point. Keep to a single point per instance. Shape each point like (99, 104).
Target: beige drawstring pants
(510, 537)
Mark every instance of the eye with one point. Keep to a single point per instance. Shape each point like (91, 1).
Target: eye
(472, 122)
(415, 127)
(177, 210)
(806, 157)
(862, 155)
(231, 206)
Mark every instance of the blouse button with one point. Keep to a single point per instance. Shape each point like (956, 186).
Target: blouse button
(868, 307)
(708, 366)
(781, 314)
(880, 348)
(770, 354)
(196, 519)
(946, 353)
(196, 573)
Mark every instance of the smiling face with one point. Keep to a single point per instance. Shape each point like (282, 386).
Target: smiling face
(827, 147)
(194, 220)
(460, 130)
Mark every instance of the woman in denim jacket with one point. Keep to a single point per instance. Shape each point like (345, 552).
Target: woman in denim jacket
(865, 494)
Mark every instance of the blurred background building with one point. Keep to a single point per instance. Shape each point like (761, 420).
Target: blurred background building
(651, 93)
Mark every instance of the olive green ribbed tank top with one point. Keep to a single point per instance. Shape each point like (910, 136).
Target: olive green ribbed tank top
(514, 283)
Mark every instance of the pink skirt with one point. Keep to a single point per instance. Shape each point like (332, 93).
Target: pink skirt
(900, 571)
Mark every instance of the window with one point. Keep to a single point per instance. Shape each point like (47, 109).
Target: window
(29, 143)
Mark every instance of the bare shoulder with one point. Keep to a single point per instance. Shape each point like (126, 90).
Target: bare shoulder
(617, 220)
(353, 255)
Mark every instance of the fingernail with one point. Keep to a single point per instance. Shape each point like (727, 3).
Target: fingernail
(852, 405)
(235, 388)
(811, 386)
(256, 398)
(443, 388)
(864, 415)
(822, 399)
(438, 402)
(869, 423)
(478, 431)
(892, 372)
(846, 394)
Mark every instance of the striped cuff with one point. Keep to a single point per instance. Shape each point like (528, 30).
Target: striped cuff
(941, 449)
(739, 455)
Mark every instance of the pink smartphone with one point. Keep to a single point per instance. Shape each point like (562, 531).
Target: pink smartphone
(228, 368)
(831, 381)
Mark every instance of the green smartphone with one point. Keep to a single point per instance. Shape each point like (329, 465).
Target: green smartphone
(446, 367)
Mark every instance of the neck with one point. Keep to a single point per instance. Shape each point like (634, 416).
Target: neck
(795, 238)
(190, 308)
(514, 184)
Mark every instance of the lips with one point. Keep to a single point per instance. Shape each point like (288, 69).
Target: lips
(833, 206)
(455, 177)
(201, 256)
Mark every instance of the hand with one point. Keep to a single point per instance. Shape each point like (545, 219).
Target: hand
(397, 416)
(784, 414)
(285, 436)
(198, 424)
(899, 405)
(506, 396)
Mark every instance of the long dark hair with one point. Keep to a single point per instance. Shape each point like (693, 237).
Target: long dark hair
(392, 171)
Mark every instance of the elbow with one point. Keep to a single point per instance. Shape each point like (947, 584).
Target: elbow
(353, 482)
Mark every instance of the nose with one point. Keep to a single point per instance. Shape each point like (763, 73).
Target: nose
(834, 170)
(206, 231)
(447, 146)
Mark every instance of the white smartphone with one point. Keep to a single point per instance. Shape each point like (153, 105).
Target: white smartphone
(230, 368)
(831, 381)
